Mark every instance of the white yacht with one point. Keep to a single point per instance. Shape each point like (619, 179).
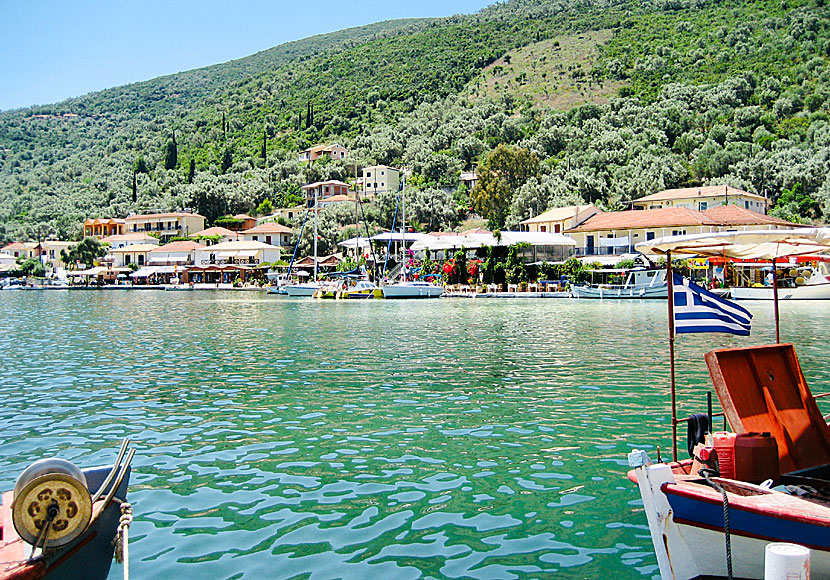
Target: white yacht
(414, 289)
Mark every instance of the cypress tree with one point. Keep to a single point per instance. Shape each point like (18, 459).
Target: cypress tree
(224, 127)
(191, 172)
(135, 189)
(264, 145)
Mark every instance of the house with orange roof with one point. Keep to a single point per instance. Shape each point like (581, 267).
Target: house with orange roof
(270, 233)
(703, 198)
(618, 232)
(297, 212)
(179, 253)
(20, 249)
(323, 189)
(559, 219)
(335, 151)
(103, 227)
(225, 235)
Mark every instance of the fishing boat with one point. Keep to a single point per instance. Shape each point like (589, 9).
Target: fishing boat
(639, 283)
(803, 283)
(712, 516)
(692, 509)
(62, 522)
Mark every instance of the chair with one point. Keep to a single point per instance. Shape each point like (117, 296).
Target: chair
(762, 389)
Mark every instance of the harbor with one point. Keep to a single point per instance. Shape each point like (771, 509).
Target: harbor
(448, 438)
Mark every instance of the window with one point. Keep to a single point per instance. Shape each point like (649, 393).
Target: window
(649, 236)
(140, 259)
(703, 205)
(383, 173)
(543, 228)
(746, 205)
(128, 259)
(557, 228)
(255, 238)
(368, 174)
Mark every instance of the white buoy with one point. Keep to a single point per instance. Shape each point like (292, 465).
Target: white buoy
(783, 561)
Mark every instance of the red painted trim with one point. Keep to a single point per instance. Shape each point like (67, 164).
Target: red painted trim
(732, 532)
(710, 496)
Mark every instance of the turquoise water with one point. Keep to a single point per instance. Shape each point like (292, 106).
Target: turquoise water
(281, 438)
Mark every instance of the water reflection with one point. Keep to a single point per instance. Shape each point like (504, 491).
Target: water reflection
(281, 439)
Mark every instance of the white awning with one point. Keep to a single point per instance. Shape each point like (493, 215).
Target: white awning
(613, 242)
(90, 272)
(227, 254)
(144, 272)
(760, 244)
(247, 253)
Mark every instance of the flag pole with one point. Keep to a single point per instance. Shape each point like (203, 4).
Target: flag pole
(775, 300)
(670, 288)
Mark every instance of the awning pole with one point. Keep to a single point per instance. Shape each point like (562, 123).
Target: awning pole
(670, 288)
(775, 301)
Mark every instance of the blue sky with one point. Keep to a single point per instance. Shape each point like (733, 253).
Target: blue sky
(51, 50)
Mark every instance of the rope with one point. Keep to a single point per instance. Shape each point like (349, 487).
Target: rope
(122, 538)
(727, 539)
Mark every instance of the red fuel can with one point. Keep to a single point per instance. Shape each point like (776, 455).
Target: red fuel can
(756, 457)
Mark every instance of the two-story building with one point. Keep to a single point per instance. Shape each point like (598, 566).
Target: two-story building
(224, 263)
(271, 233)
(335, 151)
(102, 227)
(166, 225)
(137, 254)
(20, 249)
(617, 233)
(379, 179)
(559, 219)
(322, 189)
(180, 253)
(703, 198)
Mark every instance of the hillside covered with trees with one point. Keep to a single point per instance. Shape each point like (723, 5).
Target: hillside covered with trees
(587, 101)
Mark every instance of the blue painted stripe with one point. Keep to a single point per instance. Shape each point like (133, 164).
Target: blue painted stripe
(751, 523)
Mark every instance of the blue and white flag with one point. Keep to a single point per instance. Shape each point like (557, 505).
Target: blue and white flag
(698, 310)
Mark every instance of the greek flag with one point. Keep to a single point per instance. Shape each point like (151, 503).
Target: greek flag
(698, 310)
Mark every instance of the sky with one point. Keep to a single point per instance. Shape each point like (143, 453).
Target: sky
(51, 50)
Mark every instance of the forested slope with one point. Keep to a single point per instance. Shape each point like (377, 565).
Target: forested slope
(664, 94)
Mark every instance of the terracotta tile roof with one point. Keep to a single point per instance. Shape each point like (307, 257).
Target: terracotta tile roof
(216, 231)
(160, 215)
(329, 182)
(182, 246)
(705, 191)
(243, 216)
(649, 218)
(269, 228)
(135, 248)
(733, 215)
(337, 198)
(558, 214)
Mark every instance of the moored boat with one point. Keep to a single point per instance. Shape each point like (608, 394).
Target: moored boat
(413, 289)
(808, 283)
(639, 283)
(62, 522)
(691, 509)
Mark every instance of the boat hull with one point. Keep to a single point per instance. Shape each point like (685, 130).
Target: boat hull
(301, 290)
(88, 557)
(412, 290)
(687, 526)
(624, 293)
(806, 292)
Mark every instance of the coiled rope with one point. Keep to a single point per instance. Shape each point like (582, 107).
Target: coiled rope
(706, 473)
(122, 538)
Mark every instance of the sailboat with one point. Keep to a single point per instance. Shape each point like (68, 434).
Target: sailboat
(405, 288)
(307, 289)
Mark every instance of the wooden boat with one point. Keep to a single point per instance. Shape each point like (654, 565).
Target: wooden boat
(761, 389)
(639, 283)
(61, 522)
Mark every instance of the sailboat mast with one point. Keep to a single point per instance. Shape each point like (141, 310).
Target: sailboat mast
(403, 225)
(315, 233)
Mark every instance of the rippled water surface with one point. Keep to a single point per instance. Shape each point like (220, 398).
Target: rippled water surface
(279, 438)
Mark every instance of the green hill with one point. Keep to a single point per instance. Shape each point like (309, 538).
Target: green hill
(617, 99)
